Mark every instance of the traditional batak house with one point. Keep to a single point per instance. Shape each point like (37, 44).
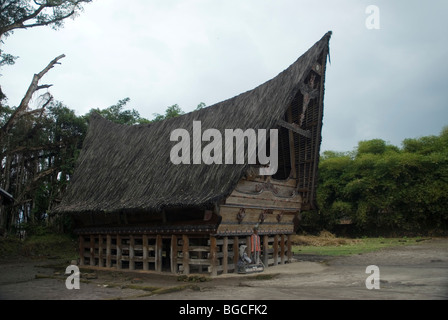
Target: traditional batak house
(133, 208)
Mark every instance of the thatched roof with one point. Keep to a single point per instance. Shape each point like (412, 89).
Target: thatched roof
(128, 167)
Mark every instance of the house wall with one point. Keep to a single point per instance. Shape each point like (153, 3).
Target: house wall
(272, 205)
(198, 241)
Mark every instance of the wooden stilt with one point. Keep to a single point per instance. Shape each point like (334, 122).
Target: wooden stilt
(173, 254)
(92, 250)
(100, 251)
(213, 256)
(265, 250)
(145, 252)
(225, 256)
(118, 251)
(275, 250)
(108, 251)
(158, 253)
(185, 254)
(289, 246)
(235, 252)
(131, 252)
(81, 250)
(282, 249)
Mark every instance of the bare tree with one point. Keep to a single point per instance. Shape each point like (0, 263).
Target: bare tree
(34, 86)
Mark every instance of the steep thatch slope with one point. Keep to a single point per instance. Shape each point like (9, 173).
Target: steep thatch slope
(129, 168)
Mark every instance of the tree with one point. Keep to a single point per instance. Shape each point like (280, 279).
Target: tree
(24, 14)
(27, 151)
(117, 114)
(24, 104)
(383, 187)
(170, 112)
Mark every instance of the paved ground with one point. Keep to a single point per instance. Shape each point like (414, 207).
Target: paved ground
(417, 271)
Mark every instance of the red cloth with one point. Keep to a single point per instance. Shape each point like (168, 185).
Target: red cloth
(255, 243)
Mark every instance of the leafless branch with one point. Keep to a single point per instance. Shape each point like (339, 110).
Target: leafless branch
(34, 86)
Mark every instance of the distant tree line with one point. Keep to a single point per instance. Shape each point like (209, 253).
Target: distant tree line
(380, 188)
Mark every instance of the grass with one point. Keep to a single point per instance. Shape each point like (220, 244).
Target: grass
(49, 245)
(327, 244)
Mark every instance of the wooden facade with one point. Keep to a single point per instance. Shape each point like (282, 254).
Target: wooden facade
(206, 245)
(134, 210)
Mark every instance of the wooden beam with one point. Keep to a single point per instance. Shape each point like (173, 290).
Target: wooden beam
(158, 253)
(294, 127)
(225, 257)
(131, 252)
(275, 250)
(185, 254)
(265, 250)
(81, 250)
(118, 251)
(108, 251)
(100, 251)
(282, 249)
(173, 254)
(236, 251)
(289, 246)
(145, 252)
(213, 256)
(92, 250)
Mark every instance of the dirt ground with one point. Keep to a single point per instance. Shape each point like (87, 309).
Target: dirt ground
(413, 272)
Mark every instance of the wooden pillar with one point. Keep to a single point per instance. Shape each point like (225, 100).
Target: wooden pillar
(236, 252)
(276, 250)
(131, 252)
(213, 256)
(92, 250)
(173, 254)
(81, 250)
(225, 256)
(185, 254)
(118, 251)
(145, 252)
(100, 251)
(282, 249)
(108, 251)
(158, 253)
(265, 250)
(289, 246)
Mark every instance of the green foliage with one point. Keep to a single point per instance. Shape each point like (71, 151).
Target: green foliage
(117, 114)
(23, 14)
(383, 186)
(170, 112)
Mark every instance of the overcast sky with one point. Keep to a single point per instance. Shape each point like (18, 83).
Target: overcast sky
(389, 83)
